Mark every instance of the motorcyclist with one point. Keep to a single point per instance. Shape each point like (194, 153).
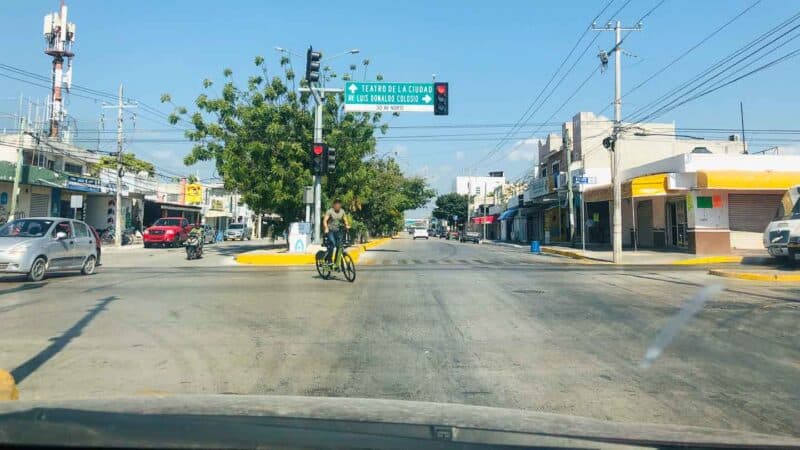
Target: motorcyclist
(197, 232)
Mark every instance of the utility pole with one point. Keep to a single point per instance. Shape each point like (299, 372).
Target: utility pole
(17, 171)
(616, 239)
(118, 201)
(744, 141)
(570, 205)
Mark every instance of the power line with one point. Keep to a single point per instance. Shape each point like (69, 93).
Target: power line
(528, 114)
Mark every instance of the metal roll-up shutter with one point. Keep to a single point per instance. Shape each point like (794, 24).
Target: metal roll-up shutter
(751, 212)
(40, 205)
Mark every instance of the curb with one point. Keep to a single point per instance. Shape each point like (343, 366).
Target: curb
(755, 276)
(573, 255)
(8, 389)
(729, 259)
(302, 259)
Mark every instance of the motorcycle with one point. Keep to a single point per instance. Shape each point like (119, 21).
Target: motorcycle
(194, 247)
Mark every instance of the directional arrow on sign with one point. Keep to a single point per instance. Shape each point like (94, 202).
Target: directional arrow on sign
(427, 98)
(353, 88)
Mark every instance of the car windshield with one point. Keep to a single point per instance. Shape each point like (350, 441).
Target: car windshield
(168, 222)
(604, 222)
(26, 228)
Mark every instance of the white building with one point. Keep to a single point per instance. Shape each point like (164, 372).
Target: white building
(477, 186)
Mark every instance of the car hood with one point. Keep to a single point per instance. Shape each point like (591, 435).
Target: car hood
(164, 227)
(234, 230)
(8, 242)
(228, 421)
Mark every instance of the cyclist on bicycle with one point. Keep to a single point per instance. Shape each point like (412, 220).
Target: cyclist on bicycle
(332, 223)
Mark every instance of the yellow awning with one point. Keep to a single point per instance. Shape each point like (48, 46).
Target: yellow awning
(740, 179)
(646, 186)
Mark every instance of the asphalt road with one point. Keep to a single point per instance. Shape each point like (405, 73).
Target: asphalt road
(425, 320)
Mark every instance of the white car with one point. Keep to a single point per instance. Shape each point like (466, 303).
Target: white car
(421, 233)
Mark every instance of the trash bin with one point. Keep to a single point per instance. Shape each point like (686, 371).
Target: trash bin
(536, 247)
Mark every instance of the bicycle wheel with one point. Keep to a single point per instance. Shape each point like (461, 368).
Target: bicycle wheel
(323, 268)
(348, 267)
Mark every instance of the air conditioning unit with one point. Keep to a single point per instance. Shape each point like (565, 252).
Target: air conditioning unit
(562, 180)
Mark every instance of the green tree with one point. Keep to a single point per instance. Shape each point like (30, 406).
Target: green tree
(449, 205)
(129, 161)
(259, 137)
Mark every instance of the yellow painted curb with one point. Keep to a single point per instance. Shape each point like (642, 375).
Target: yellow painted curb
(8, 389)
(302, 259)
(754, 276)
(729, 259)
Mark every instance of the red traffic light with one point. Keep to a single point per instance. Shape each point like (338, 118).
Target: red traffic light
(441, 89)
(318, 149)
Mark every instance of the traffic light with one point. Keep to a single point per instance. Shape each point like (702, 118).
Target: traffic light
(318, 152)
(312, 65)
(330, 159)
(440, 103)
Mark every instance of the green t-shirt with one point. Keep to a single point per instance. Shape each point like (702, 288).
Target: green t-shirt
(336, 219)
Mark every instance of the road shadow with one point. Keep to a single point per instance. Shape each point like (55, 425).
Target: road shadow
(22, 288)
(58, 343)
(383, 250)
(235, 249)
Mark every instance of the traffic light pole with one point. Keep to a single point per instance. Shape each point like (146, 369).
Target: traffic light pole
(319, 97)
(318, 177)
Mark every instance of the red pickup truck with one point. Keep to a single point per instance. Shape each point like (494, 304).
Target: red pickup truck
(167, 231)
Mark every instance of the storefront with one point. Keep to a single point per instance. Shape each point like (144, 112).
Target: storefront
(704, 212)
(154, 210)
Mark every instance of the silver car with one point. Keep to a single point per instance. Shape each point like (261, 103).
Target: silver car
(38, 245)
(237, 231)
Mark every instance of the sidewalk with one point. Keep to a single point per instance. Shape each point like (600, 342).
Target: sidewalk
(647, 257)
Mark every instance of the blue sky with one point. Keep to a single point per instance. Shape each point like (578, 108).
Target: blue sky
(495, 55)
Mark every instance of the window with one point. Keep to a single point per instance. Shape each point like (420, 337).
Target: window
(80, 229)
(167, 223)
(73, 168)
(477, 190)
(25, 228)
(544, 172)
(62, 227)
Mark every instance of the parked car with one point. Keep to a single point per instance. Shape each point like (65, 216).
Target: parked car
(442, 234)
(431, 233)
(38, 245)
(782, 235)
(471, 236)
(420, 233)
(452, 235)
(237, 231)
(167, 231)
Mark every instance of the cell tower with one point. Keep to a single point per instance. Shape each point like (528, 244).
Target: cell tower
(59, 35)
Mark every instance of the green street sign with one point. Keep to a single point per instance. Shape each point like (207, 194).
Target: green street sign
(388, 97)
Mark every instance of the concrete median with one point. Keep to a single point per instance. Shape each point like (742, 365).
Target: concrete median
(259, 258)
(772, 276)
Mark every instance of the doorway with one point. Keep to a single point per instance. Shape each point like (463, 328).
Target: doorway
(676, 223)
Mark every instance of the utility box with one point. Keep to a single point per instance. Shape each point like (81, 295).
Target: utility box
(299, 237)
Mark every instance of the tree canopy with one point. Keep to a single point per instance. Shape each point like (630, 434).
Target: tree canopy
(259, 136)
(449, 205)
(129, 161)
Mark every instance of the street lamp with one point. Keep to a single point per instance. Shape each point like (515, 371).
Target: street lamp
(352, 51)
(286, 50)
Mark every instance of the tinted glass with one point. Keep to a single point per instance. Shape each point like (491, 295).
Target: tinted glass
(168, 223)
(25, 228)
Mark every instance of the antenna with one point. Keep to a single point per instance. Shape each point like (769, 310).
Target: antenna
(59, 36)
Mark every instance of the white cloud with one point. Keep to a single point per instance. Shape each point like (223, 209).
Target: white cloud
(789, 150)
(459, 155)
(524, 150)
